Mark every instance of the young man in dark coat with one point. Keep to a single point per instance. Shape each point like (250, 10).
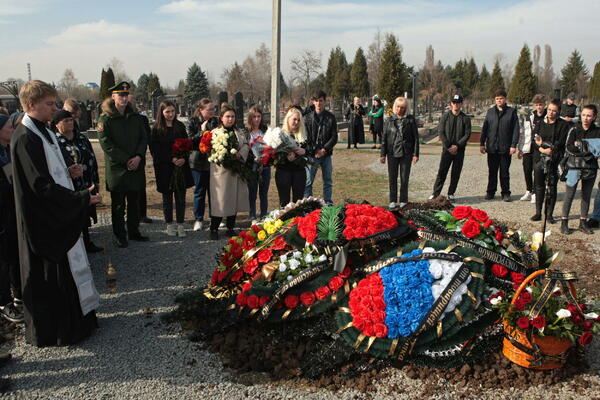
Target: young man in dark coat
(122, 133)
(499, 139)
(59, 295)
(322, 135)
(454, 131)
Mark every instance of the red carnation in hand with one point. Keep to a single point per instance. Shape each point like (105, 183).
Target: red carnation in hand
(252, 301)
(471, 229)
(480, 215)
(523, 323)
(586, 338)
(499, 270)
(291, 301)
(264, 256)
(322, 292)
(307, 298)
(462, 212)
(538, 322)
(336, 283)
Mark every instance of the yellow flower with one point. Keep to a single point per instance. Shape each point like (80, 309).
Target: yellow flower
(271, 229)
(262, 235)
(278, 223)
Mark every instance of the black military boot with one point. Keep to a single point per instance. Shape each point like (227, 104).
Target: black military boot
(564, 226)
(584, 228)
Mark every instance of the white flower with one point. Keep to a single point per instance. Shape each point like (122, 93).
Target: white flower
(296, 254)
(294, 264)
(308, 258)
(436, 269)
(290, 277)
(495, 300)
(233, 151)
(322, 257)
(283, 258)
(530, 290)
(591, 315)
(428, 250)
(563, 313)
(282, 267)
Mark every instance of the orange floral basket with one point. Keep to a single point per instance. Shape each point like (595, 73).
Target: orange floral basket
(532, 351)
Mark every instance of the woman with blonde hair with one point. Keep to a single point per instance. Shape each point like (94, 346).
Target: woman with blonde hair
(290, 172)
(400, 145)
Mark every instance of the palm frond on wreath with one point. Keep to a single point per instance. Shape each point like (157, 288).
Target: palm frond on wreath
(330, 223)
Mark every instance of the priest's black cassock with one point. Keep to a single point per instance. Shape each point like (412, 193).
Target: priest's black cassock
(50, 219)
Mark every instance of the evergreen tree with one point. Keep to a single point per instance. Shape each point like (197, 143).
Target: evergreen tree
(471, 76)
(359, 77)
(496, 81)
(103, 88)
(392, 73)
(594, 88)
(141, 91)
(196, 85)
(331, 71)
(523, 84)
(340, 86)
(458, 75)
(484, 81)
(110, 79)
(574, 74)
(153, 84)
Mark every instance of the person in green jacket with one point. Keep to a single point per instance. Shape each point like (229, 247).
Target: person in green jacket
(122, 135)
(376, 120)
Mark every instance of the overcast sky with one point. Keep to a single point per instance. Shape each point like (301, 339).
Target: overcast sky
(166, 37)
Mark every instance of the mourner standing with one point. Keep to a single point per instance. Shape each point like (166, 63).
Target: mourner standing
(290, 175)
(454, 131)
(525, 139)
(376, 121)
(569, 109)
(59, 294)
(143, 195)
(256, 129)
(123, 137)
(499, 139)
(354, 116)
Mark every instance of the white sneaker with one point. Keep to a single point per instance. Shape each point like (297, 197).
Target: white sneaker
(180, 230)
(431, 197)
(171, 230)
(392, 205)
(533, 198)
(526, 196)
(401, 205)
(197, 226)
(451, 197)
(222, 225)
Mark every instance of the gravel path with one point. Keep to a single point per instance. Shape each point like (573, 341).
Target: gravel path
(135, 356)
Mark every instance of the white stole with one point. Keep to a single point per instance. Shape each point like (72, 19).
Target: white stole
(89, 299)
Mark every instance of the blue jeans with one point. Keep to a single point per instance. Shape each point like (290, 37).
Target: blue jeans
(596, 212)
(326, 164)
(262, 189)
(201, 191)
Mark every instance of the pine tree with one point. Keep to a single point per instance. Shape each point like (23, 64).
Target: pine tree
(110, 79)
(141, 91)
(154, 84)
(574, 74)
(330, 73)
(496, 81)
(359, 77)
(484, 81)
(594, 88)
(392, 74)
(471, 76)
(196, 84)
(103, 88)
(339, 81)
(523, 84)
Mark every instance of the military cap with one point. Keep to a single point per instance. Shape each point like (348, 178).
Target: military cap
(121, 87)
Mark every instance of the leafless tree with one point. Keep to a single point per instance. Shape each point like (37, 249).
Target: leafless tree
(374, 58)
(118, 68)
(305, 68)
(68, 83)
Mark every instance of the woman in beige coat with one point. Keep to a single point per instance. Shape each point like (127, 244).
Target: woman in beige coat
(228, 191)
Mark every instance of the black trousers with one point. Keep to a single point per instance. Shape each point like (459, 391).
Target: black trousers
(498, 162)
(143, 203)
(216, 221)
(587, 186)
(447, 160)
(540, 177)
(10, 273)
(167, 199)
(528, 171)
(287, 180)
(120, 200)
(399, 166)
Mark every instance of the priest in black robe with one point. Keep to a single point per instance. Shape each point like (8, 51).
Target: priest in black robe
(59, 295)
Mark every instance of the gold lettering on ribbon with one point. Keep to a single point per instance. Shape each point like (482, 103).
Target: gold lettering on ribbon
(477, 275)
(440, 329)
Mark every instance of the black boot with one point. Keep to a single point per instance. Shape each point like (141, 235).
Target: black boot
(551, 203)
(584, 228)
(564, 227)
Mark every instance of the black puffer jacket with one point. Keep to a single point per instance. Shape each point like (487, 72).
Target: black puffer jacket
(321, 133)
(459, 135)
(400, 137)
(199, 161)
(500, 130)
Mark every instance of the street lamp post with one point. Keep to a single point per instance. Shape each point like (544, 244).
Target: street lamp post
(275, 62)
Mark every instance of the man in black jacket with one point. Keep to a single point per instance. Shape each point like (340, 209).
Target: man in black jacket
(322, 135)
(499, 139)
(454, 131)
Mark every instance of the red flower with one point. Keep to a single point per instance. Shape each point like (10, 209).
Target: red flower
(499, 270)
(251, 266)
(380, 330)
(336, 283)
(480, 215)
(248, 243)
(499, 236)
(487, 223)
(205, 142)
(587, 326)
(307, 298)
(222, 275)
(322, 292)
(307, 226)
(252, 301)
(586, 338)
(227, 259)
(462, 212)
(264, 256)
(255, 228)
(268, 154)
(583, 307)
(538, 322)
(363, 220)
(345, 273)
(182, 145)
(573, 308)
(279, 243)
(241, 299)
(523, 323)
(526, 297)
(471, 229)
(247, 286)
(517, 277)
(291, 301)
(577, 319)
(519, 305)
(214, 277)
(237, 275)
(263, 300)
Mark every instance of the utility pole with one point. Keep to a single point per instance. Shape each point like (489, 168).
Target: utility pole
(275, 62)
(29, 72)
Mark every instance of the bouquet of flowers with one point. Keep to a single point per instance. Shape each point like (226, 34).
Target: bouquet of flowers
(474, 224)
(277, 147)
(181, 149)
(221, 146)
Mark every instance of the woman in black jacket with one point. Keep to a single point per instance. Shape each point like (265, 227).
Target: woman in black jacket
(354, 116)
(290, 172)
(400, 144)
(587, 166)
(165, 131)
(376, 121)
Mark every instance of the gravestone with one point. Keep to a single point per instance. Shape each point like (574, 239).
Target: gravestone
(238, 105)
